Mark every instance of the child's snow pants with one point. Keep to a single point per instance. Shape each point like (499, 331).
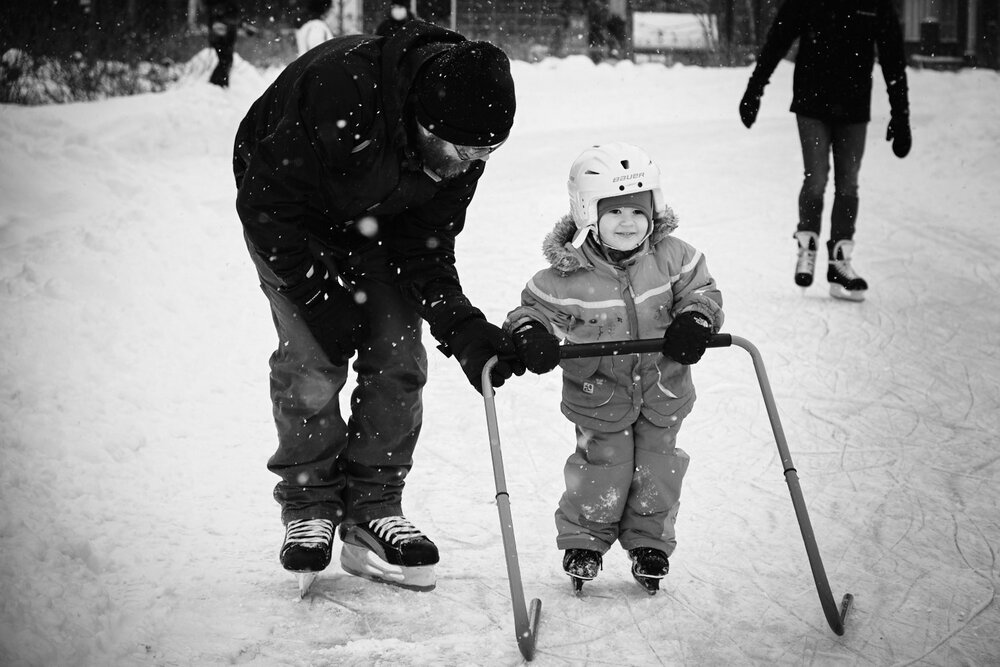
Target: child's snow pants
(623, 486)
(329, 468)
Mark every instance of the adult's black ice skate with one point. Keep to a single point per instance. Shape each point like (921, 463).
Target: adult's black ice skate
(390, 550)
(581, 565)
(307, 549)
(648, 567)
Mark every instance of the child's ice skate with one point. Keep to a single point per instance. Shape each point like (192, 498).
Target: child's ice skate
(581, 565)
(844, 282)
(648, 567)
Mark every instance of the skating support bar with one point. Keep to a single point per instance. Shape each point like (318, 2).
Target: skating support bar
(834, 615)
(525, 620)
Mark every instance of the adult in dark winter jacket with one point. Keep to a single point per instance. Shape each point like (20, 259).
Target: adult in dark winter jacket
(355, 169)
(832, 100)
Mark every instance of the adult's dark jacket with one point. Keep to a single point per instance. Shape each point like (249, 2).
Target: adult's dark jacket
(325, 152)
(836, 54)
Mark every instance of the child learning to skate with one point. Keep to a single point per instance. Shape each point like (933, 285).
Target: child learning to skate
(617, 274)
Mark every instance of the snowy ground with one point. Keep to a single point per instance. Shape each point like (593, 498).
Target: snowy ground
(136, 524)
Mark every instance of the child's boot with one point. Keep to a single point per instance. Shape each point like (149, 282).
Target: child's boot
(581, 565)
(845, 283)
(806, 264)
(649, 565)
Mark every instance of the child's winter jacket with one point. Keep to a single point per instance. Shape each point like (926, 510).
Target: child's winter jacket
(585, 298)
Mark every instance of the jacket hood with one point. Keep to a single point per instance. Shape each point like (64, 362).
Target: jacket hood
(558, 244)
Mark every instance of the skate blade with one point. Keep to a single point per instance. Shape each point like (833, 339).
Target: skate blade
(364, 563)
(305, 581)
(838, 292)
(649, 584)
(578, 583)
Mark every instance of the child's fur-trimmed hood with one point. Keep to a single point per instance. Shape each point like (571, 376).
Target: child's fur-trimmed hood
(558, 247)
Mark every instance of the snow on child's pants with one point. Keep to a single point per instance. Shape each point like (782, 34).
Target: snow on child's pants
(623, 486)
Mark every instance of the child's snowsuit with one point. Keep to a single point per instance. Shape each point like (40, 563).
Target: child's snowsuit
(624, 480)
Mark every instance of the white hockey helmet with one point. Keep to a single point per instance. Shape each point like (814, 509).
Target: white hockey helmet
(606, 171)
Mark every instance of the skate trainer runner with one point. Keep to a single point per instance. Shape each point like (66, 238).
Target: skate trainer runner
(617, 273)
(832, 102)
(355, 169)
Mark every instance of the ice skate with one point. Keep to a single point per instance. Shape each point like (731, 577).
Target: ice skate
(648, 567)
(390, 551)
(845, 283)
(581, 565)
(805, 266)
(307, 549)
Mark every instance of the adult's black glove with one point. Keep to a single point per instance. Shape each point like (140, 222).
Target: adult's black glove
(687, 337)
(898, 133)
(536, 347)
(333, 316)
(474, 342)
(750, 104)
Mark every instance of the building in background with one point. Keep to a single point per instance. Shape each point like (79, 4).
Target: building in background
(952, 33)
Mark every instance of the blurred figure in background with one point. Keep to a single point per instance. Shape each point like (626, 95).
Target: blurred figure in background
(316, 29)
(224, 19)
(399, 15)
(831, 98)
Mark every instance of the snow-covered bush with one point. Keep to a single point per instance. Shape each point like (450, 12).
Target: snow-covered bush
(31, 81)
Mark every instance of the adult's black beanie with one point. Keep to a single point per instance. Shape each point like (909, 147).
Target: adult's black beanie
(465, 95)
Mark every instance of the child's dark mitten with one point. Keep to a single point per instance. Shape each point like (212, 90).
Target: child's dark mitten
(687, 337)
(536, 347)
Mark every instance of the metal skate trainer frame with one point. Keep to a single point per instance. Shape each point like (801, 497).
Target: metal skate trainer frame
(525, 623)
(834, 615)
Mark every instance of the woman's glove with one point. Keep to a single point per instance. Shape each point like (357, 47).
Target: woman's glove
(474, 342)
(898, 133)
(687, 337)
(536, 347)
(750, 104)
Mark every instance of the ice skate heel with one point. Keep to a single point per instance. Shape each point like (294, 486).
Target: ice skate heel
(648, 567)
(389, 551)
(362, 562)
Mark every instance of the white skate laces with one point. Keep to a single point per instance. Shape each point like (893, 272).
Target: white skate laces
(309, 533)
(844, 268)
(395, 530)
